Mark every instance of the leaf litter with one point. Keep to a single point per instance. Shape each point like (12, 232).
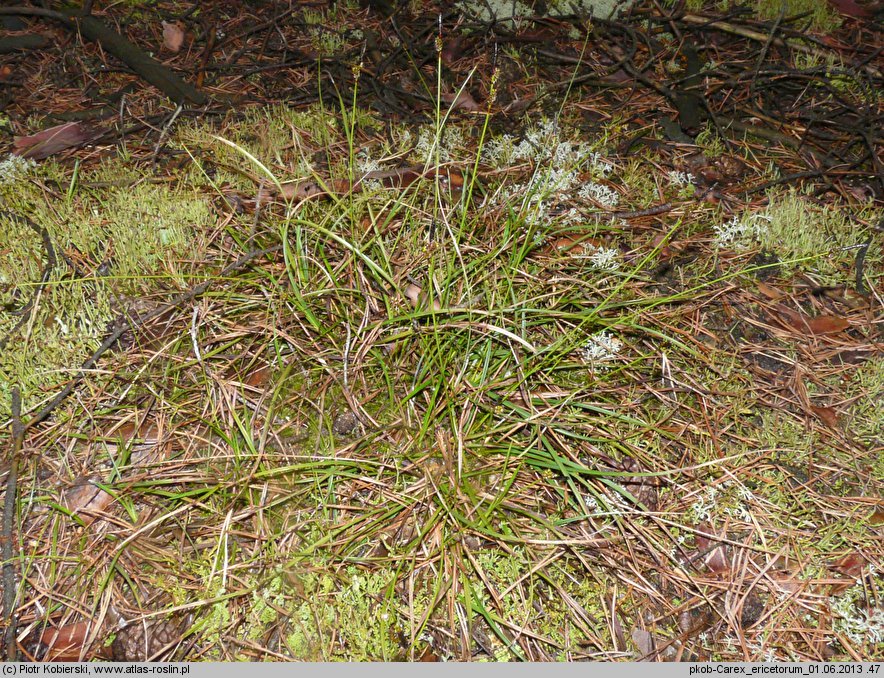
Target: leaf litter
(346, 449)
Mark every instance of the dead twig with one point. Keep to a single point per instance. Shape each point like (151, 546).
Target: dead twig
(25, 311)
(6, 545)
(124, 322)
(133, 56)
(758, 36)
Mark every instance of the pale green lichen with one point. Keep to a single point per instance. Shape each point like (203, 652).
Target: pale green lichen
(865, 392)
(860, 621)
(212, 622)
(356, 611)
(516, 12)
(14, 167)
(125, 241)
(818, 239)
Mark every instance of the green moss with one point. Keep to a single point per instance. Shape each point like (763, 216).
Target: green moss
(213, 621)
(263, 611)
(282, 138)
(711, 143)
(813, 238)
(821, 16)
(864, 389)
(640, 183)
(350, 619)
(543, 599)
(127, 240)
(820, 240)
(836, 74)
(789, 439)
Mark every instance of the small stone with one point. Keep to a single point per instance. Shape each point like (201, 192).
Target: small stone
(345, 424)
(753, 609)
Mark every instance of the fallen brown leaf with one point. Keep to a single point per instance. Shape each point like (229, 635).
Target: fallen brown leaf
(714, 557)
(413, 293)
(173, 36)
(788, 582)
(86, 501)
(301, 190)
(850, 565)
(66, 643)
(827, 415)
(568, 242)
(53, 140)
(827, 324)
(146, 441)
(418, 297)
(702, 168)
(716, 560)
(851, 8)
(644, 641)
(258, 378)
(821, 324)
(463, 100)
(769, 291)
(453, 50)
(429, 656)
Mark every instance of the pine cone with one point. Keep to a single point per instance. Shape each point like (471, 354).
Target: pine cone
(143, 640)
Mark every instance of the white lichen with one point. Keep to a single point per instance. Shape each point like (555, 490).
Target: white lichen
(701, 510)
(605, 258)
(680, 178)
(14, 167)
(601, 349)
(599, 193)
(740, 233)
(515, 13)
(432, 146)
(859, 625)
